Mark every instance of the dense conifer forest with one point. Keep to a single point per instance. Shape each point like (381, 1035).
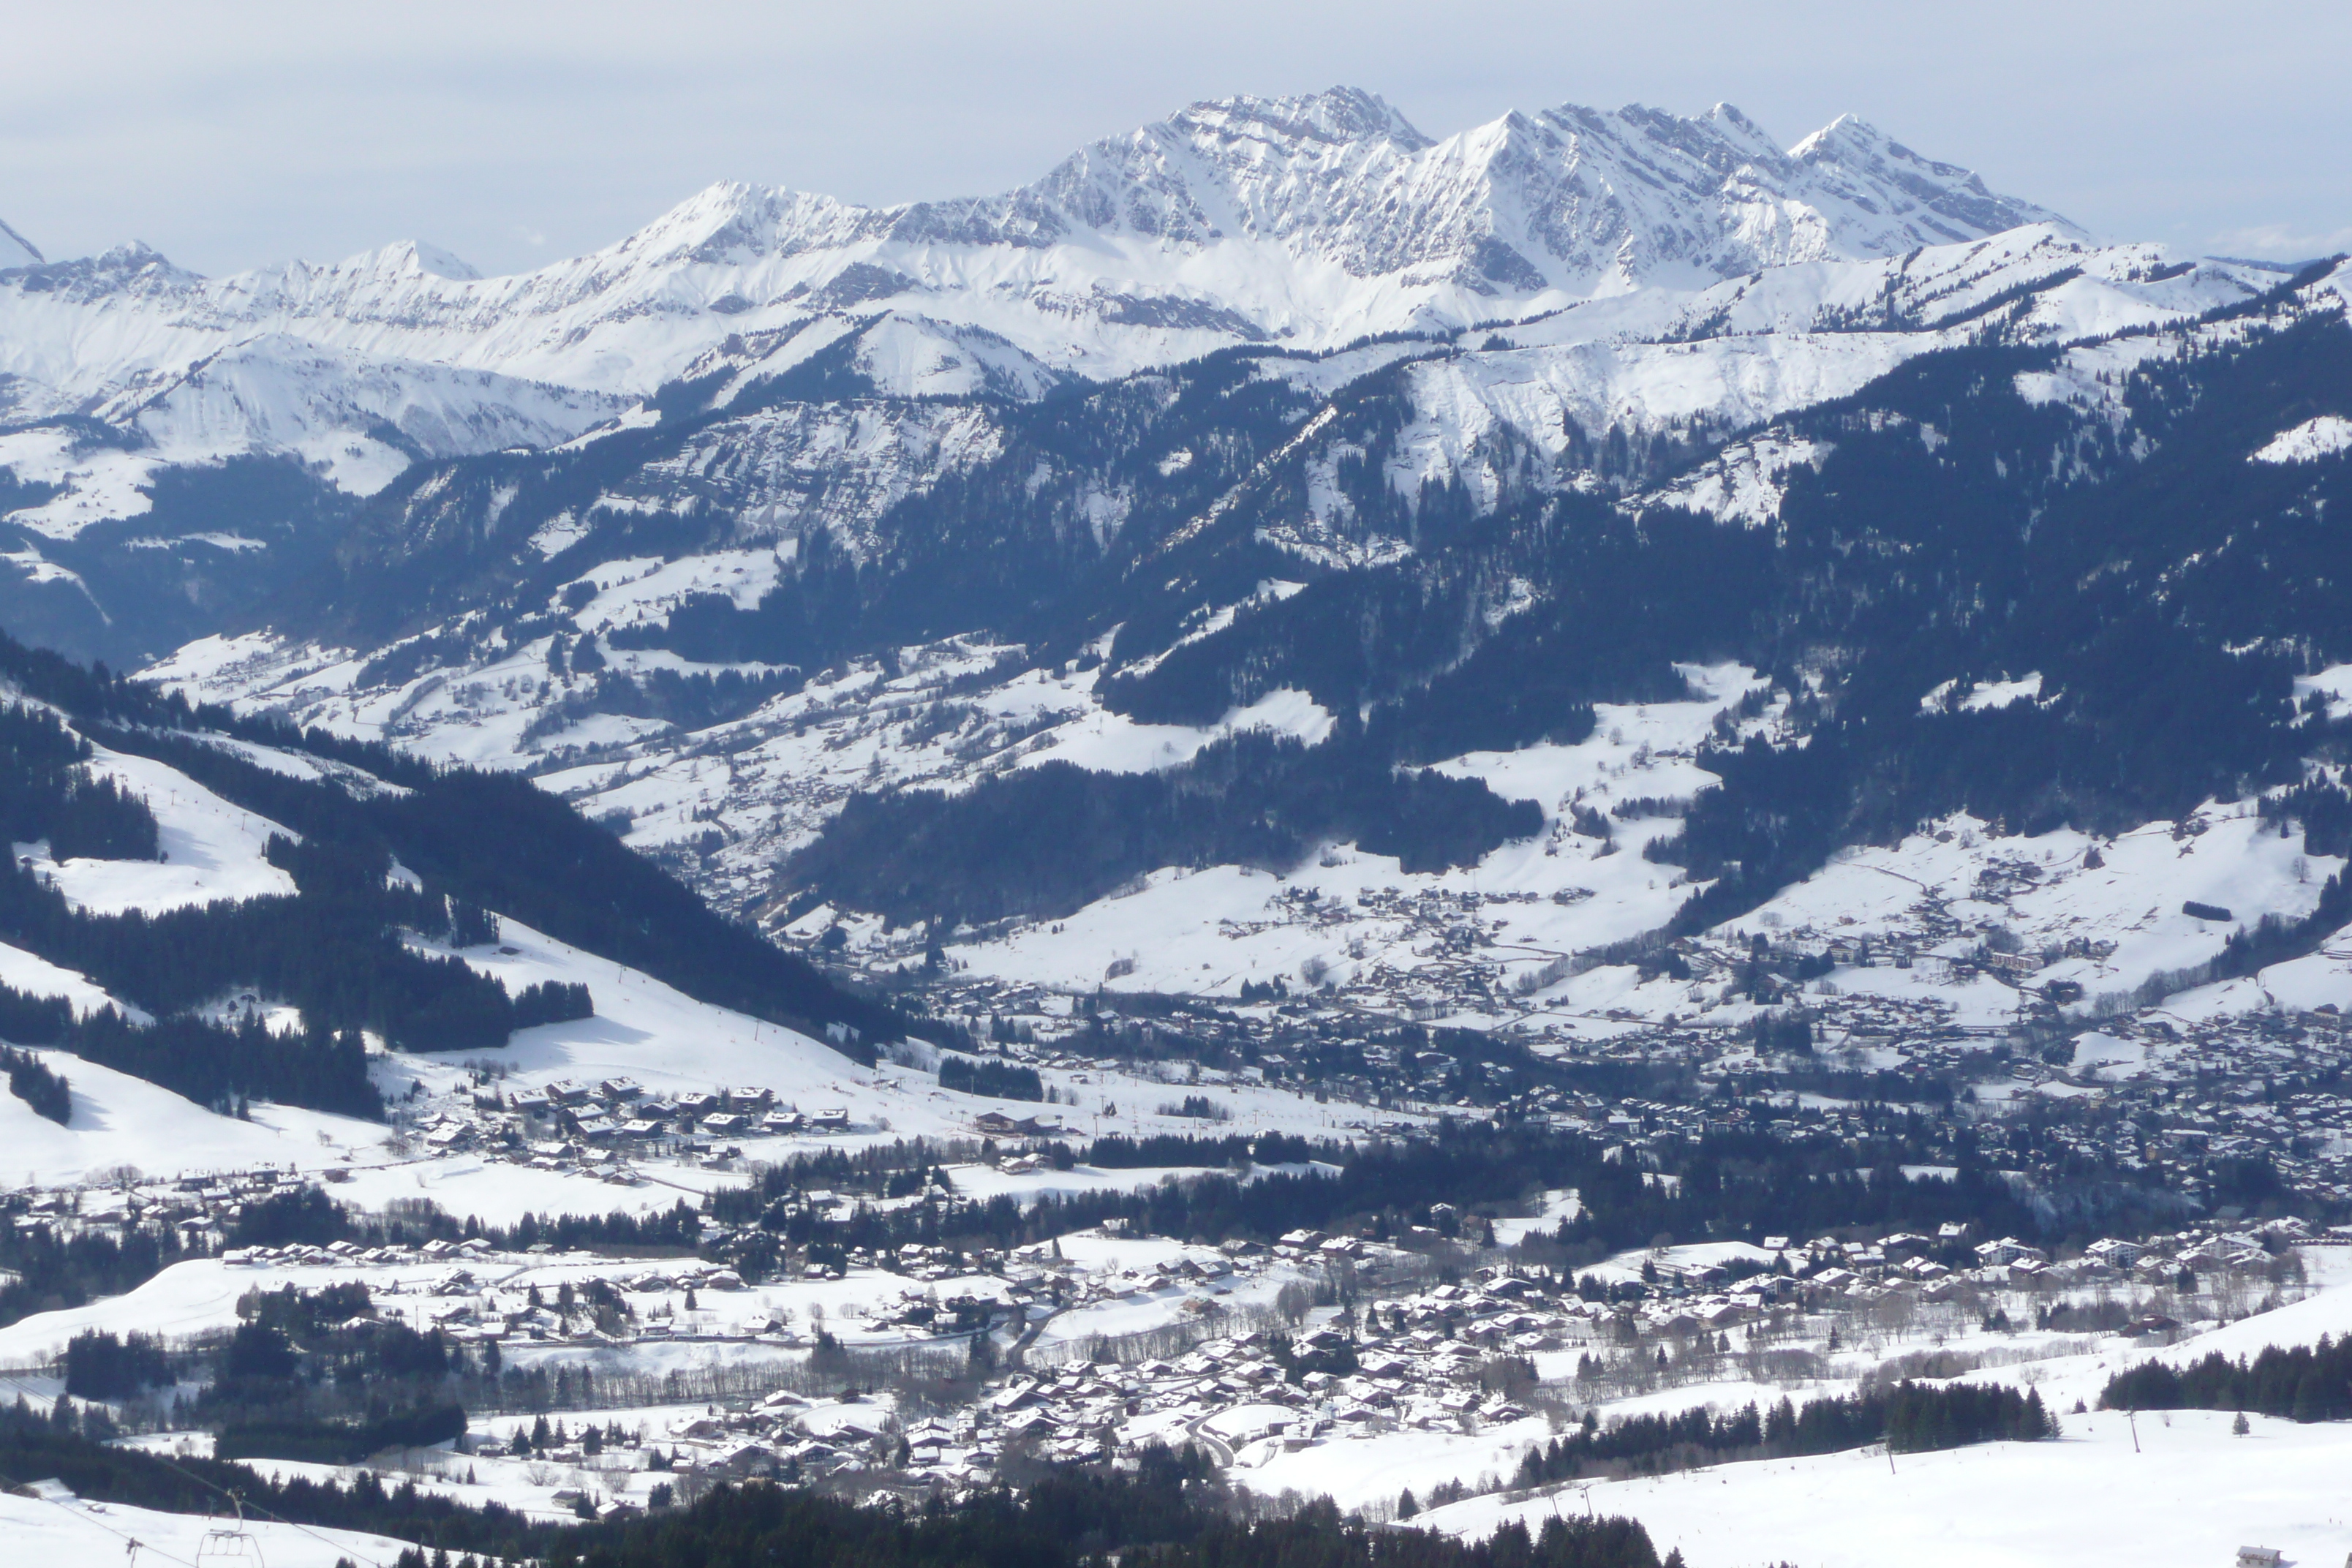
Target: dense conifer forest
(1909, 1417)
(45, 794)
(2300, 1382)
(48, 1092)
(1043, 841)
(982, 1076)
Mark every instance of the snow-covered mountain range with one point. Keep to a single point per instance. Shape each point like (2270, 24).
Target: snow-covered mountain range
(1304, 222)
(1551, 277)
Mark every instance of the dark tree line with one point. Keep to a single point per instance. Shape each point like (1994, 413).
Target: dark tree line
(2300, 1382)
(315, 1376)
(214, 1065)
(1043, 841)
(2324, 810)
(321, 1441)
(1118, 1151)
(1422, 647)
(1909, 1417)
(553, 1002)
(48, 791)
(1734, 1184)
(986, 1076)
(2273, 939)
(47, 1093)
(101, 1366)
(689, 701)
(306, 1214)
(333, 949)
(1072, 1517)
(678, 1227)
(53, 1272)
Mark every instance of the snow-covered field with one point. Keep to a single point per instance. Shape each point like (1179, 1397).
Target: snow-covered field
(2172, 1487)
(2188, 1493)
(123, 1122)
(71, 1533)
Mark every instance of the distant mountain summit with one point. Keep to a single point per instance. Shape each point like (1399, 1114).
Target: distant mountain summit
(1573, 201)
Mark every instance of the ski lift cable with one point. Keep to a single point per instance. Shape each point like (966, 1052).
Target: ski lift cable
(133, 1545)
(241, 1502)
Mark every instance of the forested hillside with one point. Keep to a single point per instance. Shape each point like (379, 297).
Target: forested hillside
(380, 850)
(1963, 528)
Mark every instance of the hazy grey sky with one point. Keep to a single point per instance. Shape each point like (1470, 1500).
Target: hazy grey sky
(516, 132)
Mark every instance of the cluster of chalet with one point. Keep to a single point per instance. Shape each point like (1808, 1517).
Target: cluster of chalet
(1423, 1361)
(473, 1292)
(1239, 1364)
(201, 1208)
(564, 1124)
(997, 1124)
